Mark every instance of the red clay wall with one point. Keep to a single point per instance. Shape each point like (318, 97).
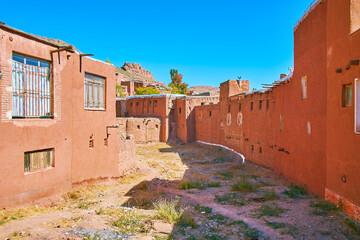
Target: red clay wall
(98, 161)
(68, 132)
(174, 122)
(306, 163)
(22, 135)
(299, 150)
(343, 144)
(155, 106)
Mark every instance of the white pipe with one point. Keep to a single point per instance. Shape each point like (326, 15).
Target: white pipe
(222, 146)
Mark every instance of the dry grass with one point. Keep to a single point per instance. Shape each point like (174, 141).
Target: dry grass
(131, 178)
(7, 216)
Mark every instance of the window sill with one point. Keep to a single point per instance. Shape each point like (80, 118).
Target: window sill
(31, 122)
(95, 109)
(39, 171)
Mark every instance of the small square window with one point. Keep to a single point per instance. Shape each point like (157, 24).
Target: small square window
(137, 103)
(251, 106)
(131, 104)
(209, 113)
(179, 110)
(38, 160)
(239, 107)
(347, 95)
(260, 104)
(155, 103)
(229, 108)
(304, 88)
(281, 123)
(94, 87)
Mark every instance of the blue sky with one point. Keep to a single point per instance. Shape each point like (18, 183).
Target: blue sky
(209, 42)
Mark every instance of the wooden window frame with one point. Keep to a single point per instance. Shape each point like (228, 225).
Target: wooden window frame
(31, 166)
(95, 82)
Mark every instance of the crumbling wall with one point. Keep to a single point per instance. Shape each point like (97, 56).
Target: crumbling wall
(144, 130)
(126, 153)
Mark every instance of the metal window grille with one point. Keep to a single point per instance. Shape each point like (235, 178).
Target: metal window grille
(38, 160)
(31, 86)
(94, 91)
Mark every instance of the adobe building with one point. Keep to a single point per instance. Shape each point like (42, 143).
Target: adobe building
(57, 118)
(175, 111)
(306, 126)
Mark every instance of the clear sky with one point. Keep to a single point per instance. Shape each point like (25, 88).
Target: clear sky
(209, 42)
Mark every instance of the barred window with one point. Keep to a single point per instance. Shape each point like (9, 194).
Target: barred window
(38, 160)
(31, 86)
(94, 91)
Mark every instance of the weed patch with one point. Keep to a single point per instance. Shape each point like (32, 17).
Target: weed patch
(225, 175)
(194, 184)
(203, 209)
(230, 199)
(190, 184)
(270, 210)
(324, 208)
(186, 220)
(244, 185)
(219, 160)
(295, 191)
(249, 233)
(353, 226)
(168, 211)
(270, 195)
(130, 222)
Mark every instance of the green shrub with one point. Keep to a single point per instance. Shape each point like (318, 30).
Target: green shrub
(147, 91)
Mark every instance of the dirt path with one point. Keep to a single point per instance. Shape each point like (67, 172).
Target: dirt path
(184, 192)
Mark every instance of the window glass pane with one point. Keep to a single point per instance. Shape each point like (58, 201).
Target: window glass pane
(18, 58)
(32, 61)
(349, 95)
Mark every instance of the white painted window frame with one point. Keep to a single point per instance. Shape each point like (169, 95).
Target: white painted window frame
(357, 105)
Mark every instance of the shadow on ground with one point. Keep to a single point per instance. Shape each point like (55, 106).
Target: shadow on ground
(205, 192)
